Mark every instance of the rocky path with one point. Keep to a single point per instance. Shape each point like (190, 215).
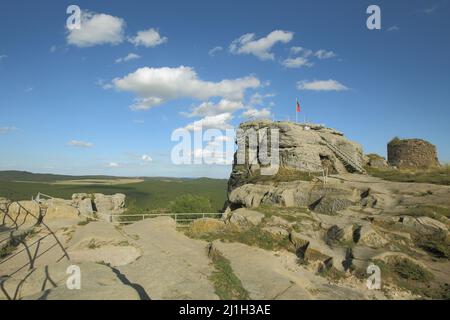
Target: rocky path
(172, 266)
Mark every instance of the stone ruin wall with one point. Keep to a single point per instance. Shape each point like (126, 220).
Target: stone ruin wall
(412, 153)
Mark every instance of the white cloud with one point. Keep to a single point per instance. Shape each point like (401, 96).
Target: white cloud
(80, 144)
(214, 50)
(113, 165)
(431, 10)
(296, 62)
(146, 158)
(324, 54)
(220, 121)
(321, 85)
(3, 56)
(258, 99)
(393, 28)
(254, 114)
(247, 44)
(29, 89)
(4, 130)
(211, 109)
(154, 86)
(96, 29)
(148, 38)
(305, 52)
(128, 57)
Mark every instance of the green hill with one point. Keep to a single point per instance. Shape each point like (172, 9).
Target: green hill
(148, 194)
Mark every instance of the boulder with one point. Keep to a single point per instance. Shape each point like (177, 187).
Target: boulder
(206, 225)
(109, 203)
(4, 203)
(309, 249)
(85, 207)
(83, 201)
(424, 225)
(243, 217)
(60, 210)
(23, 207)
(330, 204)
(366, 235)
(339, 233)
(328, 199)
(376, 161)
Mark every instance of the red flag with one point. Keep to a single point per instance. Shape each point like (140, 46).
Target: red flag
(298, 106)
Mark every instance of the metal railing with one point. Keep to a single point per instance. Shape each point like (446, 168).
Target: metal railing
(181, 219)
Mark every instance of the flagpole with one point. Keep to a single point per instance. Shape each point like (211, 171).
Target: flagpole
(296, 111)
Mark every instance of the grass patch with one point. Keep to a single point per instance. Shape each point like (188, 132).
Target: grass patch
(85, 222)
(252, 236)
(439, 175)
(226, 284)
(435, 212)
(410, 276)
(6, 250)
(331, 273)
(283, 175)
(438, 244)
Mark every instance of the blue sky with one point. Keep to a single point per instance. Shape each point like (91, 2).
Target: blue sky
(68, 99)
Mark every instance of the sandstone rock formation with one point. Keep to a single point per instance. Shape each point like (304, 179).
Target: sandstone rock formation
(303, 148)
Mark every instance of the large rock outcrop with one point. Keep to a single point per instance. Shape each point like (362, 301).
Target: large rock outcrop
(302, 148)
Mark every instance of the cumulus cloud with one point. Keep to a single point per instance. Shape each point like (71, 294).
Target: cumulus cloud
(80, 144)
(220, 121)
(148, 38)
(296, 62)
(247, 44)
(324, 54)
(321, 85)
(146, 158)
(214, 50)
(128, 57)
(96, 29)
(212, 109)
(254, 114)
(154, 86)
(113, 164)
(4, 130)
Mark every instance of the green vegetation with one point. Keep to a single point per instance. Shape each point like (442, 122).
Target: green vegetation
(252, 236)
(190, 203)
(149, 194)
(434, 212)
(227, 286)
(439, 175)
(437, 244)
(6, 250)
(331, 273)
(283, 175)
(410, 276)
